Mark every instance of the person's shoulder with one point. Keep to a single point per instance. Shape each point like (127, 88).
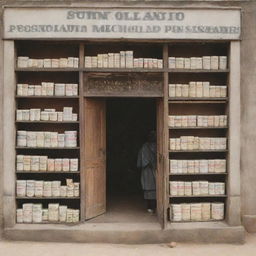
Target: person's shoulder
(146, 144)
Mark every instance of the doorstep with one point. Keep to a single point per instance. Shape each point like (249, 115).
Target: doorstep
(127, 233)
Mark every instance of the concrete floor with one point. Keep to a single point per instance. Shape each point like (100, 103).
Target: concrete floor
(125, 209)
(9, 248)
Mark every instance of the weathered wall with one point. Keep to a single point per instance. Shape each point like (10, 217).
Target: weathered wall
(248, 88)
(248, 93)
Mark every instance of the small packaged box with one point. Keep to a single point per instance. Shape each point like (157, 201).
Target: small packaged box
(172, 62)
(88, 62)
(187, 63)
(122, 59)
(214, 62)
(22, 62)
(172, 90)
(206, 62)
(63, 62)
(55, 63)
(223, 62)
(111, 60)
(47, 63)
(70, 62)
(179, 63)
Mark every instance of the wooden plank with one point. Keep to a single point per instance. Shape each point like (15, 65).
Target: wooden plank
(47, 69)
(47, 97)
(211, 100)
(196, 127)
(119, 95)
(233, 158)
(82, 133)
(192, 221)
(160, 163)
(197, 151)
(40, 172)
(48, 122)
(9, 134)
(196, 174)
(47, 198)
(198, 102)
(53, 148)
(198, 196)
(95, 157)
(198, 71)
(165, 136)
(123, 70)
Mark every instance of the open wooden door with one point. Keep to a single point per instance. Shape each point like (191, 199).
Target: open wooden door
(160, 177)
(95, 157)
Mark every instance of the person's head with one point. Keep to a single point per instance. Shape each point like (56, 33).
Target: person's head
(152, 136)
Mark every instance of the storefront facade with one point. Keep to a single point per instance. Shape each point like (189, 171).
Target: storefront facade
(192, 64)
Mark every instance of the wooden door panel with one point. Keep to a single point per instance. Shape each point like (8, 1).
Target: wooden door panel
(95, 157)
(95, 192)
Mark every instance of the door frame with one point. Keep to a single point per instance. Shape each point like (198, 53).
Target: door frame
(161, 159)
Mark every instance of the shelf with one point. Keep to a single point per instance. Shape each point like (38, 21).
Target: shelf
(47, 198)
(194, 221)
(47, 69)
(197, 127)
(193, 174)
(178, 100)
(39, 172)
(48, 122)
(47, 97)
(93, 70)
(197, 196)
(123, 70)
(51, 222)
(74, 148)
(197, 151)
(170, 70)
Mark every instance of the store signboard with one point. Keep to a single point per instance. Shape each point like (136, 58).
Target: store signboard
(118, 23)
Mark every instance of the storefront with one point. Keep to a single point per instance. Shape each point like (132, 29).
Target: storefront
(83, 86)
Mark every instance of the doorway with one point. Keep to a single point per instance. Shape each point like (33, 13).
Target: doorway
(115, 130)
(128, 123)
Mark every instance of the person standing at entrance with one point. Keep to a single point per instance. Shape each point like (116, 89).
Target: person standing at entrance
(147, 162)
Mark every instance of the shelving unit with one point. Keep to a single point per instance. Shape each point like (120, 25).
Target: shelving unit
(57, 75)
(198, 106)
(126, 82)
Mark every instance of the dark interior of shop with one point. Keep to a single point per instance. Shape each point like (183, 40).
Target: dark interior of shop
(128, 122)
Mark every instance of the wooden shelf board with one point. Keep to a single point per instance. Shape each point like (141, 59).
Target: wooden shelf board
(197, 127)
(198, 100)
(123, 70)
(39, 172)
(197, 70)
(47, 148)
(198, 196)
(127, 70)
(197, 151)
(47, 69)
(47, 97)
(194, 221)
(193, 174)
(48, 122)
(51, 222)
(47, 198)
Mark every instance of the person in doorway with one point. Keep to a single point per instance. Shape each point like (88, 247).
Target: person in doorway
(147, 162)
